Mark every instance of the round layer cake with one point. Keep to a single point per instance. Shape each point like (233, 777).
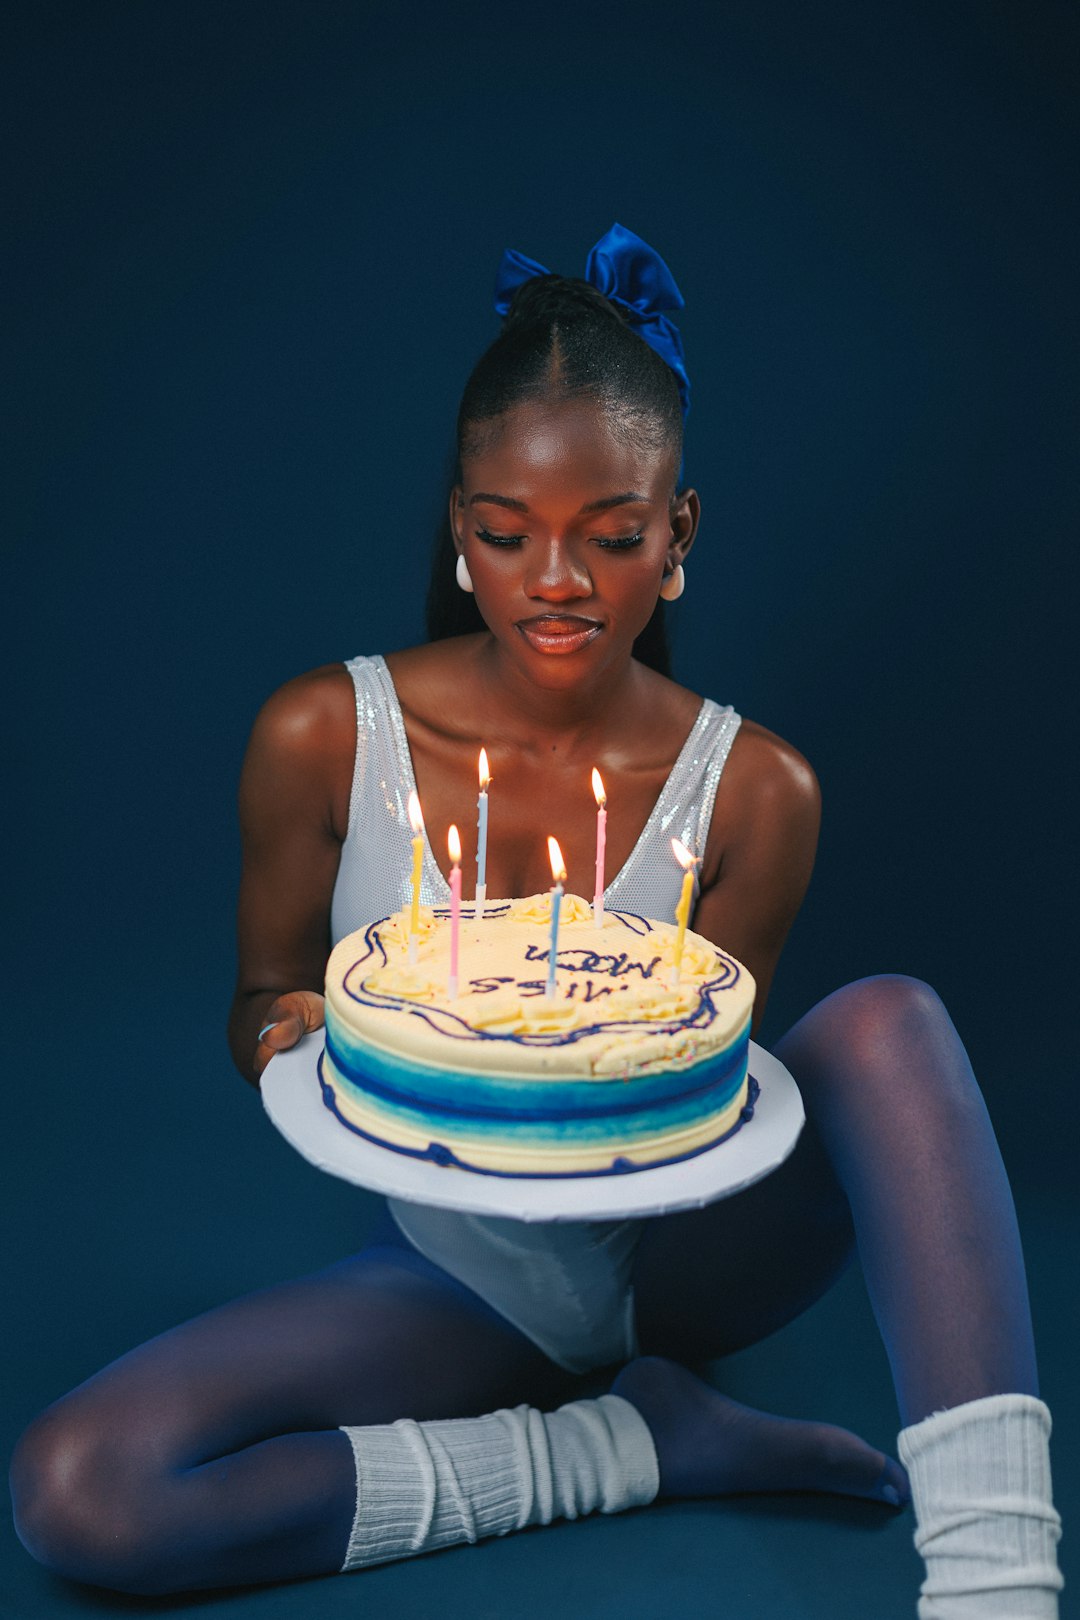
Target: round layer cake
(621, 1069)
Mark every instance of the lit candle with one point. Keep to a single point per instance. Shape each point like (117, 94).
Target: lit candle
(481, 836)
(558, 872)
(416, 821)
(453, 843)
(682, 910)
(601, 846)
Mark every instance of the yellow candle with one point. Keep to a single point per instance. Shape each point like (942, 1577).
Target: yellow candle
(682, 910)
(417, 867)
(417, 821)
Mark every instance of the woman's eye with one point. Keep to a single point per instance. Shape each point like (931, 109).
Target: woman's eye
(499, 539)
(610, 542)
(620, 542)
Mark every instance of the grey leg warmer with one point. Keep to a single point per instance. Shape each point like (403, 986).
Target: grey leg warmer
(426, 1485)
(986, 1524)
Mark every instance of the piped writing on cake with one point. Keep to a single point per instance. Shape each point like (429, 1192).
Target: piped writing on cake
(638, 988)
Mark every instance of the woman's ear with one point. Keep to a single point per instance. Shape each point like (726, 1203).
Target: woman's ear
(457, 516)
(685, 517)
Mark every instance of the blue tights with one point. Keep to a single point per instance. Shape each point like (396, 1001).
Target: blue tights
(212, 1456)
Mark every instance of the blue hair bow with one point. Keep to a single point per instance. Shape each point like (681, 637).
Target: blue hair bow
(630, 273)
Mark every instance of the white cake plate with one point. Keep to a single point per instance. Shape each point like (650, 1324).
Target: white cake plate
(293, 1100)
(292, 1097)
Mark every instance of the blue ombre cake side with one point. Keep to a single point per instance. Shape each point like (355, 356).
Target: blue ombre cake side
(623, 1068)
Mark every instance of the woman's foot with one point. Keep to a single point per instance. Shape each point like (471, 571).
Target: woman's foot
(708, 1445)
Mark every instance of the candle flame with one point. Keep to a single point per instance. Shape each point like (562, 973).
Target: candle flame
(558, 869)
(416, 816)
(485, 774)
(453, 844)
(683, 855)
(598, 788)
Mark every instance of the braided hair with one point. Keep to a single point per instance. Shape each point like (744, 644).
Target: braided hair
(561, 339)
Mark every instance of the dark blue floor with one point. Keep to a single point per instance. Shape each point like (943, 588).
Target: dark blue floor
(137, 1204)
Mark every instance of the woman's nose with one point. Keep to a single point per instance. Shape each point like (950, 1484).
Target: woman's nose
(557, 574)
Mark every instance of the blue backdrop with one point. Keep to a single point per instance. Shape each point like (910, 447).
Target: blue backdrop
(253, 250)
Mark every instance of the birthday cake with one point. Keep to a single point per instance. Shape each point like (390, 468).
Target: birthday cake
(629, 1063)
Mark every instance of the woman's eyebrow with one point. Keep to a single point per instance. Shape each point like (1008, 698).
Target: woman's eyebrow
(627, 498)
(499, 500)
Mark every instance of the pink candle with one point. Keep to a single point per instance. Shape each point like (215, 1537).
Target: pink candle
(601, 846)
(454, 845)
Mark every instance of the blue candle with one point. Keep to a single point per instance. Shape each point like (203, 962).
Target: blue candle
(558, 872)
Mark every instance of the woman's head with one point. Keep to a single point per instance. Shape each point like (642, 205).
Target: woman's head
(562, 339)
(569, 377)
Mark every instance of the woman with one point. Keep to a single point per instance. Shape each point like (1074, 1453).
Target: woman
(262, 1441)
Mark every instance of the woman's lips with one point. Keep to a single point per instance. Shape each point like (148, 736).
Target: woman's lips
(557, 633)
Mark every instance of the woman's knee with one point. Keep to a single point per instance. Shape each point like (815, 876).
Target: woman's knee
(890, 1032)
(883, 1015)
(79, 1506)
(884, 1006)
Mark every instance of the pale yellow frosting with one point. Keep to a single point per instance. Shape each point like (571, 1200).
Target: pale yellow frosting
(615, 1002)
(502, 975)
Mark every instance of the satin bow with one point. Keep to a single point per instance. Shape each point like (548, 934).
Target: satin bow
(630, 273)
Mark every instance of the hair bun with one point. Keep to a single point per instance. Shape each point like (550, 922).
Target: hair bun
(551, 297)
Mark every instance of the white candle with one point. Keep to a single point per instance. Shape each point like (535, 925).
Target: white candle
(453, 842)
(558, 872)
(481, 836)
(416, 821)
(601, 846)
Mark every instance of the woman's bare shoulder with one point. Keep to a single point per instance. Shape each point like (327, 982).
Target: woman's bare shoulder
(308, 714)
(769, 801)
(767, 768)
(299, 761)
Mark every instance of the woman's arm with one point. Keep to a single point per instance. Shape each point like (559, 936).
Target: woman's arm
(294, 807)
(761, 852)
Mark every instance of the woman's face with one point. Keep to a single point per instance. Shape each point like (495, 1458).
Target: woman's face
(568, 530)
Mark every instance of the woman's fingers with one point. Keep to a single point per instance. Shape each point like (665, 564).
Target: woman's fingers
(288, 1018)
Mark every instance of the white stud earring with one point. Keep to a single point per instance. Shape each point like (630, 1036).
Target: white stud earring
(464, 578)
(674, 584)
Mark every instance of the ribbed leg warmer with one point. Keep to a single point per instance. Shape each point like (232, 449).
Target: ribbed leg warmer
(985, 1520)
(420, 1486)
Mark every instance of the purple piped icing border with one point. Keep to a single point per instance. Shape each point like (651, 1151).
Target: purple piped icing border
(439, 1153)
(455, 1026)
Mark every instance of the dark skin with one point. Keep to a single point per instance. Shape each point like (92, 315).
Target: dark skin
(550, 690)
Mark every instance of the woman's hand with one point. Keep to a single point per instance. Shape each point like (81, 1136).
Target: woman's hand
(287, 1019)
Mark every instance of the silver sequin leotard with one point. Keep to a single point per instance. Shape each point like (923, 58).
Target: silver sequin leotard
(565, 1285)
